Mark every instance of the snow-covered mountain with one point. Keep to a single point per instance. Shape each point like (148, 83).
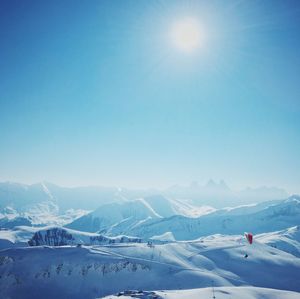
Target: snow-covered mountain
(174, 243)
(33, 205)
(247, 209)
(219, 195)
(44, 213)
(264, 219)
(96, 271)
(21, 197)
(143, 218)
(116, 217)
(103, 218)
(167, 207)
(9, 221)
(16, 237)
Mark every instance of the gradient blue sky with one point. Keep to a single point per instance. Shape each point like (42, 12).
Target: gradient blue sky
(94, 92)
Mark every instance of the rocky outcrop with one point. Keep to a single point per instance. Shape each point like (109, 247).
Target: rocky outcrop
(60, 237)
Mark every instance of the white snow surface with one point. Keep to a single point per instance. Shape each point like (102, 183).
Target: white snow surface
(167, 237)
(272, 217)
(287, 240)
(219, 293)
(19, 236)
(43, 213)
(186, 209)
(97, 271)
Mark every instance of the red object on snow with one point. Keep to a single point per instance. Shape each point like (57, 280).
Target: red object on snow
(249, 237)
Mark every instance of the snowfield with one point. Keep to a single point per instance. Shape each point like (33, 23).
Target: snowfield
(97, 271)
(144, 245)
(219, 293)
(287, 240)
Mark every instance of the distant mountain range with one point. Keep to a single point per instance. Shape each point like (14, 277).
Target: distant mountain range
(22, 197)
(220, 195)
(49, 204)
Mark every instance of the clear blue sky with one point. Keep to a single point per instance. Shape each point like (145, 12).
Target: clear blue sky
(95, 92)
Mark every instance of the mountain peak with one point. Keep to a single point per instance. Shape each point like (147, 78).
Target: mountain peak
(211, 183)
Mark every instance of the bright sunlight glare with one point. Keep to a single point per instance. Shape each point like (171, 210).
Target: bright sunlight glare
(186, 35)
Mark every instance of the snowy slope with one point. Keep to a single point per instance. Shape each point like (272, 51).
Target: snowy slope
(218, 293)
(287, 240)
(48, 213)
(275, 217)
(17, 237)
(21, 196)
(167, 207)
(44, 213)
(247, 209)
(161, 205)
(111, 214)
(164, 238)
(114, 218)
(95, 271)
(7, 223)
(188, 210)
(32, 205)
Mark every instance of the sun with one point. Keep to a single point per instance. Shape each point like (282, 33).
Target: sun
(186, 35)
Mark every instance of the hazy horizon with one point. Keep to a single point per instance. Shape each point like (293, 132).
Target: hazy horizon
(159, 189)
